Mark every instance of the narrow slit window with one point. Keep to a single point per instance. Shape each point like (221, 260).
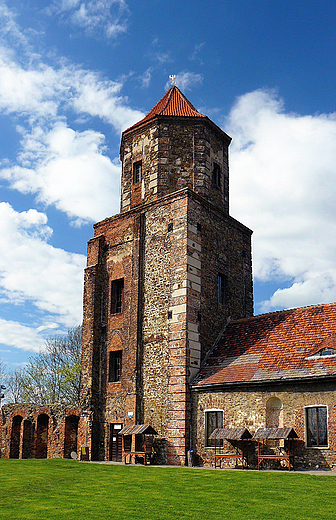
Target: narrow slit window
(221, 288)
(117, 296)
(137, 172)
(115, 365)
(216, 175)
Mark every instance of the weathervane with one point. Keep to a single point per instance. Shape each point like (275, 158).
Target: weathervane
(172, 78)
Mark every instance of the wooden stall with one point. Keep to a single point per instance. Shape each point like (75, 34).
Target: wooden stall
(137, 443)
(276, 444)
(238, 439)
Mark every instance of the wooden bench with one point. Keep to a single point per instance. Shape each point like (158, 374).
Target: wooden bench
(220, 456)
(288, 458)
(145, 455)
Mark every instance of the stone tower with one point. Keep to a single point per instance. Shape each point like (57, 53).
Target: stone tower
(162, 278)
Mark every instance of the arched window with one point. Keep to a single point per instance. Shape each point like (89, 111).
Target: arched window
(274, 413)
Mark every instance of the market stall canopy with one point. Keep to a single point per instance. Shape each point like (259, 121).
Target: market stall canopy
(233, 434)
(138, 429)
(275, 433)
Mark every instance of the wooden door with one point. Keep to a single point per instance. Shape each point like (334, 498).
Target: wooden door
(115, 451)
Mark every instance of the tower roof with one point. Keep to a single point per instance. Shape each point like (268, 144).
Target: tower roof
(173, 103)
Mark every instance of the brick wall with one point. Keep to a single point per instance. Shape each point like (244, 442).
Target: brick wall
(28, 431)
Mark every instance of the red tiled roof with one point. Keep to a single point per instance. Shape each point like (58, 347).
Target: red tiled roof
(276, 346)
(173, 103)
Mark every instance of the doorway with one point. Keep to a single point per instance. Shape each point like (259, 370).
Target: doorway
(115, 445)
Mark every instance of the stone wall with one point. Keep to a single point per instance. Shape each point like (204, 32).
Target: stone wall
(175, 154)
(170, 316)
(246, 407)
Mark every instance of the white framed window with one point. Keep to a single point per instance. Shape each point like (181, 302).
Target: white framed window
(212, 419)
(316, 426)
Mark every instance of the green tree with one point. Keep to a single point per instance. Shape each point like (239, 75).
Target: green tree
(53, 375)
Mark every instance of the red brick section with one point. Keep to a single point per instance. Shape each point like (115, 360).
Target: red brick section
(275, 346)
(173, 103)
(28, 431)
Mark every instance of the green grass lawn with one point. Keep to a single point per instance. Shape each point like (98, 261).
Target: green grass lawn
(57, 488)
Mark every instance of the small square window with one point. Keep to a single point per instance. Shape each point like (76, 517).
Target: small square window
(137, 172)
(115, 364)
(117, 296)
(216, 175)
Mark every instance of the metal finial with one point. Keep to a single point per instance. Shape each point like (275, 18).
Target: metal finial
(172, 78)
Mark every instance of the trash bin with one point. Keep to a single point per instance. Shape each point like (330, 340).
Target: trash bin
(190, 458)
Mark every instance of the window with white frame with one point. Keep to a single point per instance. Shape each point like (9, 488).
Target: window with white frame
(317, 426)
(213, 420)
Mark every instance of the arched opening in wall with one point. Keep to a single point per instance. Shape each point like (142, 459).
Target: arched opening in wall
(41, 443)
(70, 435)
(27, 440)
(274, 413)
(15, 437)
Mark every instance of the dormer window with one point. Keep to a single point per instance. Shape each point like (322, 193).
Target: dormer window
(324, 352)
(327, 352)
(137, 172)
(216, 174)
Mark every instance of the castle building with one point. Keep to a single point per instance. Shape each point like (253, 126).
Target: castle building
(169, 336)
(162, 278)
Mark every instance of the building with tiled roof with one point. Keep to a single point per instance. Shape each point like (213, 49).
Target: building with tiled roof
(170, 343)
(275, 370)
(287, 346)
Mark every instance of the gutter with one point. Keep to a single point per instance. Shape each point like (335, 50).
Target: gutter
(274, 382)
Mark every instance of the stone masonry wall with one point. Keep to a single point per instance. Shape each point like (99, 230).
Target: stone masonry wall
(165, 390)
(246, 407)
(170, 314)
(175, 155)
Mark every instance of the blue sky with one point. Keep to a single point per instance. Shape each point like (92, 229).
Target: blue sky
(75, 73)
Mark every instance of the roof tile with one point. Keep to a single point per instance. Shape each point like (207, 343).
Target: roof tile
(274, 346)
(173, 103)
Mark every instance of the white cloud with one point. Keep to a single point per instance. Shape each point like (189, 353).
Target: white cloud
(195, 54)
(283, 186)
(67, 169)
(146, 77)
(32, 270)
(42, 91)
(109, 16)
(20, 336)
(187, 80)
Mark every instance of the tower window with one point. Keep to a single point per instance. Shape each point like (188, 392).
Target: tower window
(115, 364)
(317, 426)
(216, 175)
(137, 172)
(117, 296)
(221, 288)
